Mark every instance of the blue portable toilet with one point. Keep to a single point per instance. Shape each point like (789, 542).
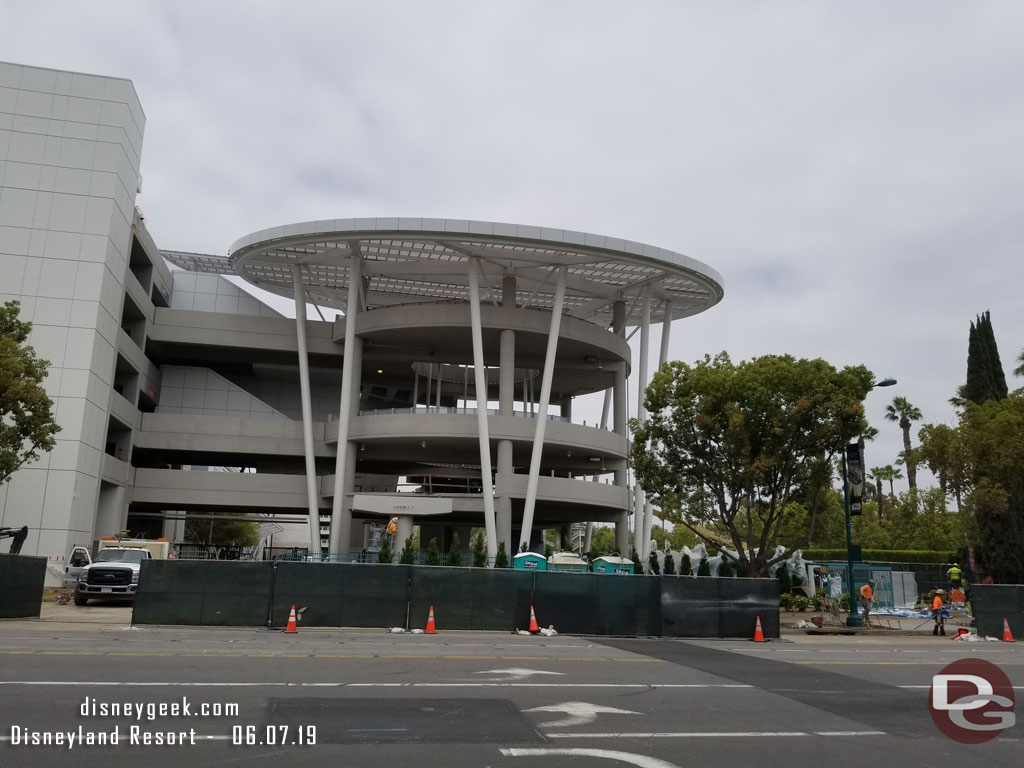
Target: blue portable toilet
(529, 561)
(612, 564)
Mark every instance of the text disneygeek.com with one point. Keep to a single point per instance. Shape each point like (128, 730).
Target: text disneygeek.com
(131, 735)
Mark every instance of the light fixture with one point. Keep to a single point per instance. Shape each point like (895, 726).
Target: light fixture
(379, 370)
(594, 458)
(423, 444)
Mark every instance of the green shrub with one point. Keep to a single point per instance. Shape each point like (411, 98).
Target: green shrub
(785, 601)
(501, 558)
(652, 563)
(408, 556)
(433, 553)
(704, 569)
(670, 564)
(385, 555)
(801, 602)
(725, 570)
(883, 556)
(479, 551)
(685, 566)
(455, 551)
(785, 582)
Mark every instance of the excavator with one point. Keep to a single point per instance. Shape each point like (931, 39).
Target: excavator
(17, 537)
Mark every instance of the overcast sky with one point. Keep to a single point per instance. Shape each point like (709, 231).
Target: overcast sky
(855, 171)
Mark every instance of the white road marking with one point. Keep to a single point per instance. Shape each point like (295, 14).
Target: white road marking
(516, 673)
(708, 735)
(643, 761)
(579, 713)
(178, 684)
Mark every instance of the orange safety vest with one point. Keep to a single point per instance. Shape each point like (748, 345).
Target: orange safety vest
(937, 603)
(865, 592)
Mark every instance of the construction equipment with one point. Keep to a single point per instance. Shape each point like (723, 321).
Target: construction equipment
(17, 536)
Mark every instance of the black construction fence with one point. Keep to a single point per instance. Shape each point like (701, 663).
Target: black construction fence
(994, 602)
(212, 593)
(21, 586)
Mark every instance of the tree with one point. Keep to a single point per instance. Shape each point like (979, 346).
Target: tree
(942, 451)
(685, 566)
(408, 556)
(731, 447)
(902, 411)
(993, 438)
(985, 378)
(455, 551)
(1019, 370)
(479, 551)
(877, 476)
(704, 569)
(385, 555)
(27, 426)
(652, 563)
(501, 557)
(433, 553)
(670, 564)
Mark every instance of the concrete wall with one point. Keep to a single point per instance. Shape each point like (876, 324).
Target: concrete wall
(69, 173)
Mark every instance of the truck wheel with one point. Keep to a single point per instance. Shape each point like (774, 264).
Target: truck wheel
(80, 601)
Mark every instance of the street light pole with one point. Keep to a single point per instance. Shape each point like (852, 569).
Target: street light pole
(854, 619)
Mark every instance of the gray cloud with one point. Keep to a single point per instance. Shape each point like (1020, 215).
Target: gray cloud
(854, 171)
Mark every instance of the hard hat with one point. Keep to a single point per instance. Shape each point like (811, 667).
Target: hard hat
(871, 582)
(940, 592)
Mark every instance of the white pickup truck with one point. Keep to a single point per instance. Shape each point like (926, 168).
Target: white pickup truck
(112, 575)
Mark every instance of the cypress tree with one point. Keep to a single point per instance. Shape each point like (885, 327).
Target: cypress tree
(670, 564)
(455, 551)
(501, 557)
(652, 563)
(685, 566)
(433, 553)
(985, 378)
(704, 569)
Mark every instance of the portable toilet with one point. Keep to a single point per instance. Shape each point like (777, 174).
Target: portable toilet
(611, 564)
(529, 561)
(567, 562)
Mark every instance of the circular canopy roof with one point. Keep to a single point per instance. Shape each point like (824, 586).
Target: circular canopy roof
(407, 261)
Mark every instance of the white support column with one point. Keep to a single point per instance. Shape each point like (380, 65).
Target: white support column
(643, 526)
(312, 497)
(350, 373)
(506, 407)
(666, 331)
(403, 532)
(480, 380)
(542, 420)
(620, 428)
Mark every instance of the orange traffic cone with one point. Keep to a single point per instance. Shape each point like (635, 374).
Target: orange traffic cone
(430, 630)
(758, 634)
(534, 628)
(292, 627)
(1007, 634)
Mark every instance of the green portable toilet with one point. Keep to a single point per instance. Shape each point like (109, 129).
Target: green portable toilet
(567, 562)
(612, 564)
(529, 561)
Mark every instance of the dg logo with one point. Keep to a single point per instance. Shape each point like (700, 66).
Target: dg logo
(972, 701)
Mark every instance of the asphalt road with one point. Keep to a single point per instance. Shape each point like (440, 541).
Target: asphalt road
(476, 699)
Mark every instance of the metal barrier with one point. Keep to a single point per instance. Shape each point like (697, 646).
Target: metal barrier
(21, 586)
(994, 602)
(215, 593)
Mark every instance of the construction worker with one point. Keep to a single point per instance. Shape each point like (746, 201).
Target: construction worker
(955, 575)
(867, 598)
(940, 620)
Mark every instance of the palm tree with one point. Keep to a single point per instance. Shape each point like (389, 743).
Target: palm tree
(877, 475)
(902, 411)
(888, 473)
(1019, 370)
